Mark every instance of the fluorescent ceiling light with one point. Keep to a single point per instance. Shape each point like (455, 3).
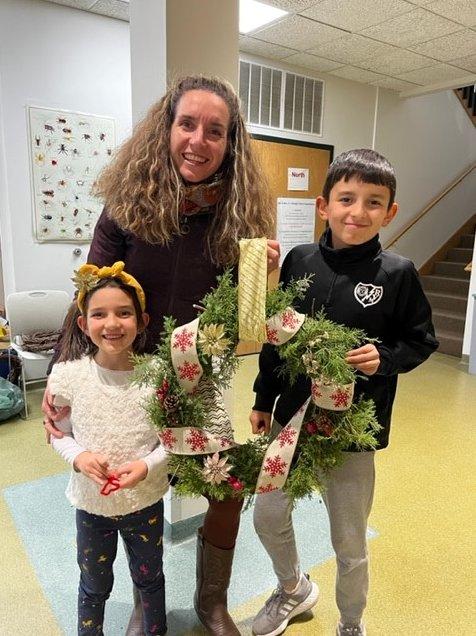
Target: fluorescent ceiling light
(255, 14)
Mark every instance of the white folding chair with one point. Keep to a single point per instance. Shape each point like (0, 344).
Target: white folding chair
(29, 312)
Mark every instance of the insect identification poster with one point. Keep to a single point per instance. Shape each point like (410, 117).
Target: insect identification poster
(67, 152)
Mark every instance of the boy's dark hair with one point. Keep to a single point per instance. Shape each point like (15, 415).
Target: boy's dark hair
(75, 343)
(364, 164)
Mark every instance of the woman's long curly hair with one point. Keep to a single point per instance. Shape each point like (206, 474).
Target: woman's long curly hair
(143, 191)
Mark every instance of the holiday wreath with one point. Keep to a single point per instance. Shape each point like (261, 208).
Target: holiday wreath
(195, 362)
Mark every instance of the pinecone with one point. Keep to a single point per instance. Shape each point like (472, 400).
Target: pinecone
(171, 403)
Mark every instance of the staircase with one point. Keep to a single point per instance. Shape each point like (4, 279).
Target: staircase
(447, 288)
(467, 97)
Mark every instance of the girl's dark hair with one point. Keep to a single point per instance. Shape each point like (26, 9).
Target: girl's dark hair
(75, 343)
(364, 164)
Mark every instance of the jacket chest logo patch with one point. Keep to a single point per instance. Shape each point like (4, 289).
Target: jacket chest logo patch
(368, 294)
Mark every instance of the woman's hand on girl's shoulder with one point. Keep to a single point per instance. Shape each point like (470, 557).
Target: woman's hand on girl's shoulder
(52, 414)
(131, 474)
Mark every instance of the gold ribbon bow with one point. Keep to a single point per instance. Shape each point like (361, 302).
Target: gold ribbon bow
(252, 278)
(88, 276)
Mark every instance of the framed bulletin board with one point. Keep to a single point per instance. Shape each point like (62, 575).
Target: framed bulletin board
(281, 159)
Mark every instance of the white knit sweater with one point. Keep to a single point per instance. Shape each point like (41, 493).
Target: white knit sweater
(107, 417)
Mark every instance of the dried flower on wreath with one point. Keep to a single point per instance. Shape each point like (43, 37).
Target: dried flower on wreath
(212, 340)
(216, 469)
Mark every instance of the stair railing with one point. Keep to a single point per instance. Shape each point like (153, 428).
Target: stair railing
(428, 207)
(467, 96)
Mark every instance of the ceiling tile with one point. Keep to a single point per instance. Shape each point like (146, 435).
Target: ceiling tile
(75, 4)
(432, 74)
(265, 49)
(468, 63)
(298, 33)
(411, 28)
(462, 11)
(356, 74)
(312, 61)
(112, 8)
(351, 49)
(398, 61)
(394, 84)
(358, 14)
(296, 6)
(450, 46)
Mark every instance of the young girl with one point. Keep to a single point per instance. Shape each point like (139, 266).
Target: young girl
(120, 473)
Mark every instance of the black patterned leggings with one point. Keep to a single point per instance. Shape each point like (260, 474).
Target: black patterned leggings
(97, 536)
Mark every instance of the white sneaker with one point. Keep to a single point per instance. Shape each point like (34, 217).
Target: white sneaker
(281, 607)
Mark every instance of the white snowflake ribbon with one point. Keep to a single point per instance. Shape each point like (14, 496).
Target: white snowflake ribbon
(330, 396)
(276, 463)
(183, 349)
(279, 454)
(283, 326)
(192, 441)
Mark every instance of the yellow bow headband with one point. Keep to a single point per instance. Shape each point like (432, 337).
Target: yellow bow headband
(88, 276)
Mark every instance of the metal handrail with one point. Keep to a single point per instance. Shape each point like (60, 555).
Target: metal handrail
(430, 205)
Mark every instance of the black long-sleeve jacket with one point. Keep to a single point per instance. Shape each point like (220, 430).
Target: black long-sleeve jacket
(363, 287)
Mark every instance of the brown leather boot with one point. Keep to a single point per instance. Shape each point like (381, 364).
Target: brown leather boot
(134, 627)
(213, 578)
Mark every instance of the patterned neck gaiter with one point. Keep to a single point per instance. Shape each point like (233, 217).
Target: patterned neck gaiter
(201, 196)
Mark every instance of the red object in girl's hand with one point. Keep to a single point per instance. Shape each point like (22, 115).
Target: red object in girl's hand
(112, 484)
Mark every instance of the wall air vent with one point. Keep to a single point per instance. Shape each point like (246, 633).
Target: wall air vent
(278, 99)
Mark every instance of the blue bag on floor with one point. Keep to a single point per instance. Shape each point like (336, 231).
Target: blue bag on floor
(11, 399)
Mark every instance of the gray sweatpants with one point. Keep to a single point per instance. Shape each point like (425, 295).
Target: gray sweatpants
(348, 499)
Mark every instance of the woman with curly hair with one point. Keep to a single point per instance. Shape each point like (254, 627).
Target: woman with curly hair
(179, 194)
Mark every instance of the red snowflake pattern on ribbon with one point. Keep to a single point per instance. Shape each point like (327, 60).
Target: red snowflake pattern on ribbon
(340, 397)
(197, 440)
(267, 488)
(275, 466)
(289, 319)
(286, 437)
(272, 335)
(183, 340)
(315, 391)
(224, 441)
(188, 371)
(167, 438)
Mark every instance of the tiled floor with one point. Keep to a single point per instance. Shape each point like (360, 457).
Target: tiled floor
(422, 564)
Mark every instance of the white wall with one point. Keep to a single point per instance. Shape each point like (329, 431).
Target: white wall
(430, 140)
(445, 218)
(52, 56)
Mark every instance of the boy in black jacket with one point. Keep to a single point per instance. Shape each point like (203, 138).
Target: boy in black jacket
(358, 285)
